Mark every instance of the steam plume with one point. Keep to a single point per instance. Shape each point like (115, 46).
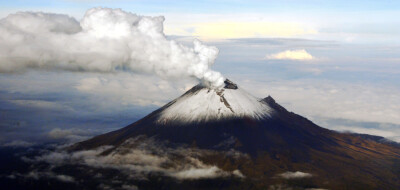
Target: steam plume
(105, 40)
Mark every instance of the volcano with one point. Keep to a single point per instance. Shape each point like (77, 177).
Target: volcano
(283, 149)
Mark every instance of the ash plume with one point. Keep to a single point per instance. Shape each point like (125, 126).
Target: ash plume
(105, 40)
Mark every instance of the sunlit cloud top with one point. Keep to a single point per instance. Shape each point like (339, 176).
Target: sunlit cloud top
(299, 55)
(232, 29)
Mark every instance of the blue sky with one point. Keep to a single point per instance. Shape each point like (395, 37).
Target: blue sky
(348, 82)
(214, 5)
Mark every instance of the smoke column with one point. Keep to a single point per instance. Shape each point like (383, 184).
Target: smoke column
(105, 40)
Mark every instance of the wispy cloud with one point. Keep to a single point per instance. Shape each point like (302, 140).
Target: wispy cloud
(18, 143)
(38, 175)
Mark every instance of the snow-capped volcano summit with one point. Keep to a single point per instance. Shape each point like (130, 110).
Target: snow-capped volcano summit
(204, 104)
(205, 116)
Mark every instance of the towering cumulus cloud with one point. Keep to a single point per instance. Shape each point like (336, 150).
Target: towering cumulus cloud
(105, 40)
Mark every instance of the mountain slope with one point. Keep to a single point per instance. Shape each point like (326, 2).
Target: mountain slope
(275, 140)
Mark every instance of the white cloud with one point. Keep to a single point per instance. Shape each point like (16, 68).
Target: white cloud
(297, 55)
(295, 175)
(65, 178)
(72, 134)
(105, 40)
(58, 133)
(197, 173)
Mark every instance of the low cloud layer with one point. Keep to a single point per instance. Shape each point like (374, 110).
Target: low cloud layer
(140, 158)
(298, 55)
(105, 40)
